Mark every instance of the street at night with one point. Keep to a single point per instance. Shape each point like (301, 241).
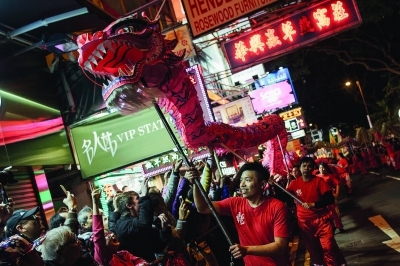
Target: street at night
(371, 220)
(199, 133)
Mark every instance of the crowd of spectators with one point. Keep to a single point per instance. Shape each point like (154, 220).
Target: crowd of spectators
(175, 226)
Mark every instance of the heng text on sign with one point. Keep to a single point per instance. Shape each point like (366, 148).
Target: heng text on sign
(206, 15)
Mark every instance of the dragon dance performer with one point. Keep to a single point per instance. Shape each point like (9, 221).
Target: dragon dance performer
(314, 219)
(342, 167)
(261, 221)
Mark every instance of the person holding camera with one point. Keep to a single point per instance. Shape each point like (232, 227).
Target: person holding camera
(135, 227)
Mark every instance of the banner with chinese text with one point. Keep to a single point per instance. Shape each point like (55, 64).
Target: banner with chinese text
(317, 22)
(185, 44)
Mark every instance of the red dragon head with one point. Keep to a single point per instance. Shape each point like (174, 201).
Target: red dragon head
(134, 58)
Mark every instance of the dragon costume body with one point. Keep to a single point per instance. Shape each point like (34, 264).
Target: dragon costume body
(138, 62)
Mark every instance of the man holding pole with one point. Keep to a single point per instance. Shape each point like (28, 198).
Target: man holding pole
(261, 221)
(314, 219)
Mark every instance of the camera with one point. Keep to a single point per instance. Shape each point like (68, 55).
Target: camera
(7, 177)
(157, 223)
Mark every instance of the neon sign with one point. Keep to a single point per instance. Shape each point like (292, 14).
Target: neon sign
(317, 22)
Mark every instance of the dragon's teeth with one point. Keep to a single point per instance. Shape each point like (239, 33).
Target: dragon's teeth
(88, 66)
(101, 48)
(98, 54)
(93, 60)
(110, 46)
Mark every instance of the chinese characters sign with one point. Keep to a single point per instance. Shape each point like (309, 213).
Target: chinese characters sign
(291, 114)
(196, 78)
(116, 141)
(185, 44)
(317, 22)
(164, 163)
(206, 15)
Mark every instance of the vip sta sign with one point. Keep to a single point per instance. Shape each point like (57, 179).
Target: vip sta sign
(206, 15)
(117, 141)
(317, 22)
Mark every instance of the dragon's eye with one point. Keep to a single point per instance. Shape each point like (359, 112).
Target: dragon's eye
(98, 35)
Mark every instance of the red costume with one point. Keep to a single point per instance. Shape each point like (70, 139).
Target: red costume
(342, 167)
(258, 226)
(332, 182)
(315, 223)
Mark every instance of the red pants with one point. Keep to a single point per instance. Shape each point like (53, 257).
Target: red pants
(320, 241)
(334, 208)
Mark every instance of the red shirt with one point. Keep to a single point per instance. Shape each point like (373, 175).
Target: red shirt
(331, 180)
(310, 191)
(342, 166)
(258, 226)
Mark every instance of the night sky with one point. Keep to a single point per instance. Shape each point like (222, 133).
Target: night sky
(319, 78)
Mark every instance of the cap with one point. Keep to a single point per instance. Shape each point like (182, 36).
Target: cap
(17, 216)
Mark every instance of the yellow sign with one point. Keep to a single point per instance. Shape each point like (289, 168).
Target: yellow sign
(291, 114)
(185, 44)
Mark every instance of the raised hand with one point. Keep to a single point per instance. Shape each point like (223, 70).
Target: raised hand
(177, 165)
(183, 211)
(6, 210)
(144, 190)
(70, 201)
(164, 221)
(95, 193)
(192, 174)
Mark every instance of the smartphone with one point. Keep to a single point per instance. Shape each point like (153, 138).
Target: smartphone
(63, 188)
(181, 199)
(4, 195)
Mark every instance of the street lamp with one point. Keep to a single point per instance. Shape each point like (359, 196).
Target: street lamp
(348, 83)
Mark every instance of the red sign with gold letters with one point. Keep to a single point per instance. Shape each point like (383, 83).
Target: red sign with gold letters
(317, 22)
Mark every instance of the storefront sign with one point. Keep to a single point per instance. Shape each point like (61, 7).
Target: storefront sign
(163, 163)
(206, 15)
(291, 114)
(237, 113)
(295, 123)
(294, 145)
(196, 77)
(246, 75)
(272, 97)
(298, 134)
(317, 22)
(273, 78)
(226, 169)
(185, 44)
(115, 141)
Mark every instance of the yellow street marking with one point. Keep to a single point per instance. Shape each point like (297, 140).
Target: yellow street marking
(380, 222)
